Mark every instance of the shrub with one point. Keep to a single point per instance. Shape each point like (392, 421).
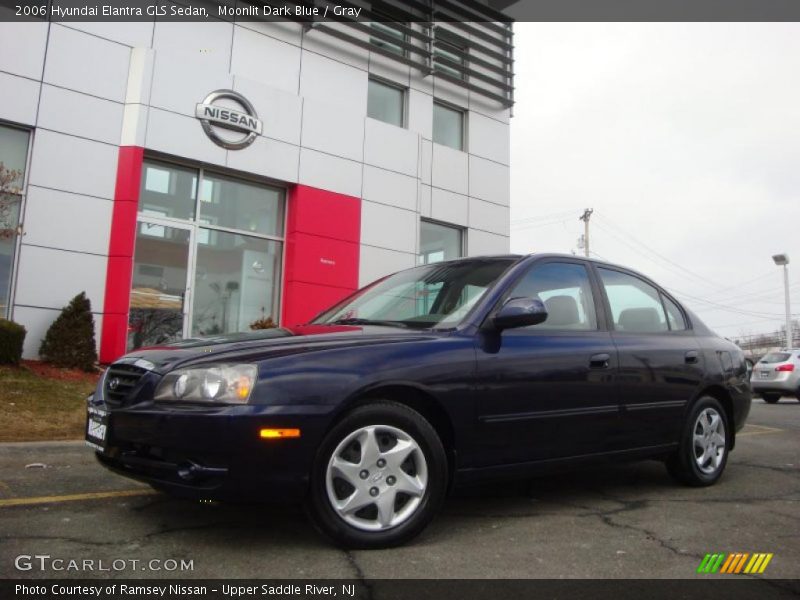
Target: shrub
(70, 340)
(263, 323)
(12, 335)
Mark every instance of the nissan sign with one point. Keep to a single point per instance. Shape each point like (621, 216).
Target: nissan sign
(215, 117)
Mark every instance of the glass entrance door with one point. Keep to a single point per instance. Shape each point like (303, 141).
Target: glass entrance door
(160, 290)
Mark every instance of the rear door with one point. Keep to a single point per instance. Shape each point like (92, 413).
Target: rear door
(660, 362)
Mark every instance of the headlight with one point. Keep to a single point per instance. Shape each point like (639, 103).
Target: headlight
(219, 383)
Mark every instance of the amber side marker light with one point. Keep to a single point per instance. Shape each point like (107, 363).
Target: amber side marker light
(273, 434)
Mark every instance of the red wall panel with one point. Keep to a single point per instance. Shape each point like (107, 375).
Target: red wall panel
(323, 234)
(120, 253)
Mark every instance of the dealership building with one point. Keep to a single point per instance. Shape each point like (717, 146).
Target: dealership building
(193, 178)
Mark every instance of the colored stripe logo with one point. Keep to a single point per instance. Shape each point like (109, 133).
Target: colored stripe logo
(735, 563)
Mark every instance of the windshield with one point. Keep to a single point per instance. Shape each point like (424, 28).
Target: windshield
(437, 295)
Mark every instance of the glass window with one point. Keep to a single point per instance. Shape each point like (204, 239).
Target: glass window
(168, 190)
(439, 242)
(447, 58)
(448, 126)
(13, 156)
(385, 102)
(158, 290)
(236, 204)
(635, 305)
(566, 292)
(674, 315)
(236, 283)
(387, 27)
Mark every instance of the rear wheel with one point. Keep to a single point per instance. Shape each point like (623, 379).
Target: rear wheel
(378, 478)
(703, 451)
(771, 398)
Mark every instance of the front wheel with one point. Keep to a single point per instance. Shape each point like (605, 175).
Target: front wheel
(703, 450)
(771, 398)
(379, 477)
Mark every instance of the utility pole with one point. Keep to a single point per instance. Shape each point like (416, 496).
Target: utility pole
(587, 214)
(782, 260)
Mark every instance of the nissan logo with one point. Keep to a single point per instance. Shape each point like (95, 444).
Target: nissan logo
(214, 117)
(113, 384)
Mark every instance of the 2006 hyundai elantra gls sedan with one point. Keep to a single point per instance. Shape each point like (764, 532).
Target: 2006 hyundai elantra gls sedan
(441, 375)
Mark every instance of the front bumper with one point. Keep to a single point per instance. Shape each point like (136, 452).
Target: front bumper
(214, 452)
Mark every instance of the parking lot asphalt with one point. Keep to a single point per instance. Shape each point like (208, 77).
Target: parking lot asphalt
(626, 521)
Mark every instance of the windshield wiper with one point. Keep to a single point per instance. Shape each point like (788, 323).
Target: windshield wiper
(357, 321)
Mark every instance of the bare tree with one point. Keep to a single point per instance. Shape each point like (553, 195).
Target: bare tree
(10, 195)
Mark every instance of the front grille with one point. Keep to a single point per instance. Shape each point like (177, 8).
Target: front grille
(120, 380)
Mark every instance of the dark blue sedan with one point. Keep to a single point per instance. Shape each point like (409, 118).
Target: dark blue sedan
(441, 375)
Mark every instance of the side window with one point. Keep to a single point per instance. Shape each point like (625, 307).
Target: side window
(566, 292)
(674, 315)
(635, 305)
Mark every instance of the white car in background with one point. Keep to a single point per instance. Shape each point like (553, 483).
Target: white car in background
(777, 374)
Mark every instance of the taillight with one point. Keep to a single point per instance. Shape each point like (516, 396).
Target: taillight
(784, 368)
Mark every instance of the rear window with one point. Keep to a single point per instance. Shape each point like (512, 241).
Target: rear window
(776, 357)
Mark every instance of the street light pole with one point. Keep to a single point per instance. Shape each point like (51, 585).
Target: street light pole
(782, 260)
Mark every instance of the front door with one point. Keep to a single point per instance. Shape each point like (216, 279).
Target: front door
(548, 391)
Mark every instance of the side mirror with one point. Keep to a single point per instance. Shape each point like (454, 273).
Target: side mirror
(520, 312)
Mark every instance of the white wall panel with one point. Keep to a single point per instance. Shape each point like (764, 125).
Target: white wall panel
(85, 63)
(268, 158)
(19, 99)
(181, 80)
(482, 243)
(330, 81)
(332, 129)
(182, 136)
(265, 59)
(281, 112)
(489, 180)
(449, 207)
(425, 200)
(449, 170)
(38, 320)
(67, 221)
(388, 227)
(425, 161)
(388, 187)
(330, 172)
(64, 162)
(420, 113)
(22, 48)
(81, 115)
(391, 147)
(489, 217)
(137, 34)
(378, 262)
(338, 50)
(489, 138)
(49, 278)
(211, 40)
(285, 31)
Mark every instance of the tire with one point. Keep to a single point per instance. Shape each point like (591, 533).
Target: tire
(771, 398)
(706, 433)
(384, 451)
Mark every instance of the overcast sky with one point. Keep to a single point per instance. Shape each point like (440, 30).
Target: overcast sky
(684, 138)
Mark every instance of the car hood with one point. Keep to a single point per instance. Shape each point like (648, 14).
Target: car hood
(267, 343)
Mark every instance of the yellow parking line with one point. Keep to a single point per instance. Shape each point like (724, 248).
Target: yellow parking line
(72, 497)
(763, 430)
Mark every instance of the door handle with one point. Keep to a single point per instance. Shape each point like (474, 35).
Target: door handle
(692, 357)
(599, 361)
